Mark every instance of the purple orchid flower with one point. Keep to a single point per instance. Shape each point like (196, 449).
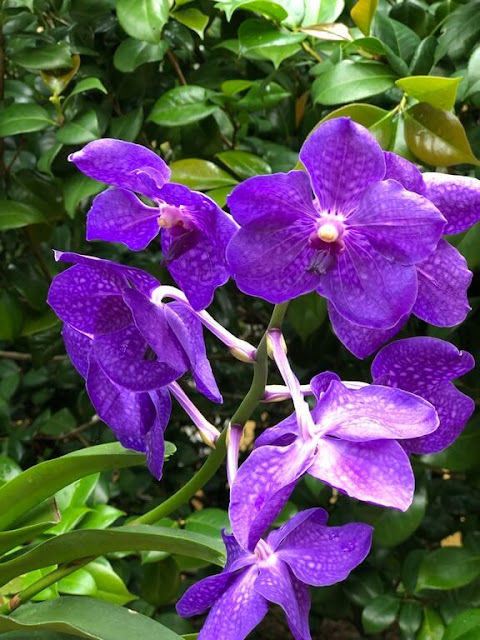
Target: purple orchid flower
(130, 351)
(302, 552)
(426, 367)
(348, 441)
(356, 241)
(443, 277)
(194, 230)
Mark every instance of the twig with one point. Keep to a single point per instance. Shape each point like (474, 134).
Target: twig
(174, 62)
(26, 357)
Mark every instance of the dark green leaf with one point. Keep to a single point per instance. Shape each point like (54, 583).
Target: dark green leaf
(363, 586)
(78, 187)
(263, 96)
(448, 568)
(261, 38)
(348, 81)
(193, 19)
(244, 164)
(461, 31)
(272, 10)
(180, 106)
(423, 58)
(161, 581)
(88, 84)
(200, 175)
(143, 19)
(379, 613)
(461, 455)
(82, 129)
(410, 618)
(307, 314)
(209, 522)
(128, 126)
(436, 137)
(54, 56)
(396, 36)
(393, 527)
(132, 53)
(468, 247)
(14, 215)
(465, 626)
(432, 626)
(23, 118)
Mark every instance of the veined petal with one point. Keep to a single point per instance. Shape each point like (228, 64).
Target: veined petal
(281, 434)
(237, 557)
(317, 516)
(361, 341)
(188, 330)
(319, 555)
(454, 409)
(277, 584)
(89, 299)
(117, 215)
(443, 280)
(368, 289)
(119, 164)
(320, 383)
(457, 197)
(378, 471)
(203, 594)
(373, 412)
(342, 159)
(197, 209)
(417, 364)
(238, 610)
(273, 265)
(262, 486)
(124, 357)
(78, 347)
(403, 171)
(270, 202)
(399, 224)
(154, 440)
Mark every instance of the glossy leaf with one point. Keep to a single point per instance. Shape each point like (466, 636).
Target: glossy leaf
(263, 96)
(424, 57)
(86, 618)
(439, 92)
(461, 455)
(80, 130)
(261, 38)
(128, 126)
(208, 522)
(362, 14)
(132, 53)
(307, 314)
(465, 626)
(88, 84)
(378, 121)
(432, 626)
(23, 118)
(200, 175)
(244, 164)
(380, 613)
(35, 522)
(143, 19)
(76, 188)
(14, 215)
(393, 527)
(58, 79)
(53, 56)
(461, 32)
(348, 81)
(268, 9)
(86, 543)
(436, 136)
(448, 568)
(410, 618)
(180, 106)
(193, 19)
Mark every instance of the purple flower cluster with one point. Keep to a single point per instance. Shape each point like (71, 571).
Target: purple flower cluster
(361, 227)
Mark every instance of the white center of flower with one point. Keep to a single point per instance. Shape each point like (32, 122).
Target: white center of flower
(171, 216)
(264, 553)
(328, 232)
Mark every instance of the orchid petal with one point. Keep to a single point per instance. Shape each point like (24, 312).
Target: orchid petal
(457, 197)
(154, 440)
(404, 172)
(280, 434)
(78, 347)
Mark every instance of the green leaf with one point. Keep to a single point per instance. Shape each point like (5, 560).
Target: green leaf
(46, 478)
(86, 618)
(53, 56)
(463, 454)
(307, 314)
(132, 53)
(363, 586)
(436, 136)
(401, 40)
(143, 19)
(14, 215)
(88, 84)
(473, 74)
(448, 568)
(11, 316)
(109, 585)
(424, 57)
(362, 14)
(244, 164)
(231, 87)
(160, 582)
(468, 247)
(100, 516)
(393, 527)
(263, 96)
(35, 522)
(379, 613)
(378, 121)
(209, 522)
(180, 106)
(348, 81)
(461, 32)
(410, 618)
(322, 11)
(75, 545)
(200, 175)
(193, 19)
(432, 626)
(128, 126)
(261, 38)
(465, 626)
(78, 187)
(437, 91)
(273, 10)
(80, 130)
(23, 118)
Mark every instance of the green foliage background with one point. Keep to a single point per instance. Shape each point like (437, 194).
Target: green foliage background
(222, 90)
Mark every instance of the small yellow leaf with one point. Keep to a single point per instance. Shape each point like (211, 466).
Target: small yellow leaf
(362, 14)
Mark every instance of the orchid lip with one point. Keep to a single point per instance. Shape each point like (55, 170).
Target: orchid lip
(171, 216)
(264, 553)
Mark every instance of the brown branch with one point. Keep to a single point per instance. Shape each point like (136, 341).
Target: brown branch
(174, 62)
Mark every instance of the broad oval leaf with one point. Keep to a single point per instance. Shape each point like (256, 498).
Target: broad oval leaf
(432, 626)
(133, 53)
(200, 175)
(194, 19)
(380, 613)
(348, 81)
(143, 19)
(23, 118)
(244, 164)
(14, 215)
(448, 568)
(53, 56)
(464, 453)
(261, 38)
(436, 136)
(181, 106)
(393, 527)
(362, 14)
(465, 626)
(437, 91)
(273, 10)
(82, 129)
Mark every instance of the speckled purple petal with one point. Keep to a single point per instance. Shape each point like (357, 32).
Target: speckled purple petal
(237, 611)
(420, 363)
(119, 164)
(270, 202)
(454, 410)
(262, 486)
(280, 434)
(117, 215)
(399, 224)
(342, 159)
(203, 594)
(368, 289)
(127, 413)
(89, 299)
(443, 280)
(78, 347)
(318, 516)
(403, 171)
(457, 197)
(197, 207)
(277, 584)
(188, 330)
(373, 412)
(237, 557)
(361, 341)
(273, 265)
(320, 383)
(378, 471)
(319, 555)
(124, 357)
(132, 276)
(154, 440)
